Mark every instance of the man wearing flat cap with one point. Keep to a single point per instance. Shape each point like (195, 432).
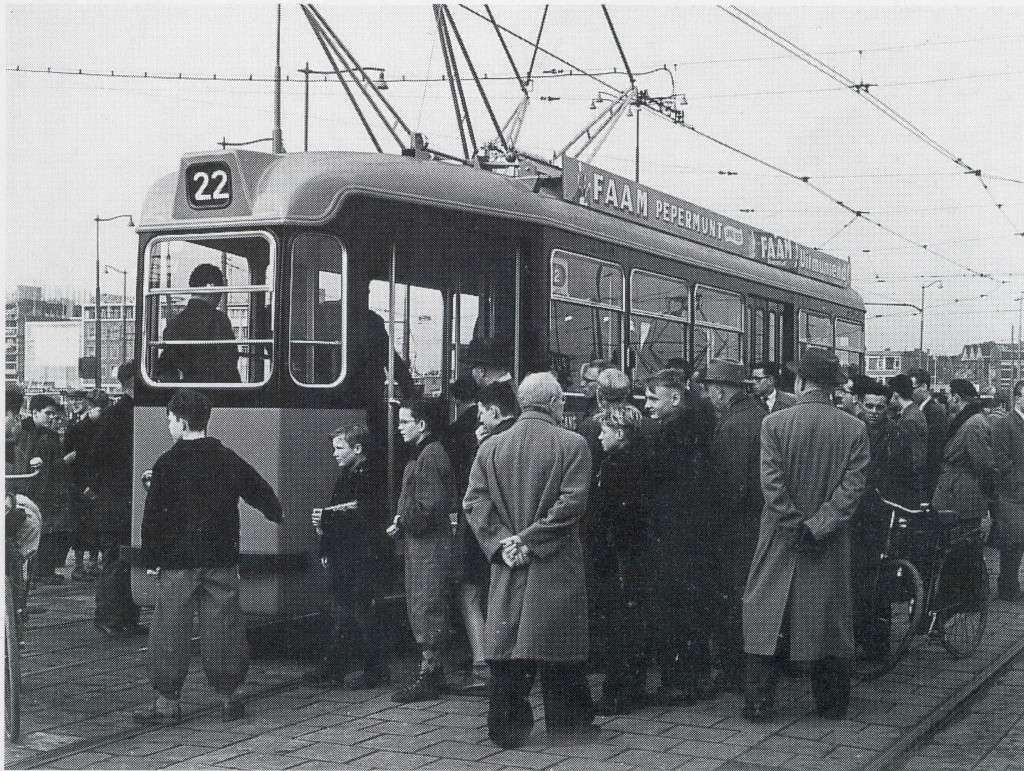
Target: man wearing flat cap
(798, 601)
(967, 482)
(736, 460)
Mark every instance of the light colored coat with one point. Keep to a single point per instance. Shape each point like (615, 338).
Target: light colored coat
(533, 481)
(813, 458)
(1008, 449)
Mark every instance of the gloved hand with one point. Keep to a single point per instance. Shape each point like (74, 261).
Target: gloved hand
(805, 542)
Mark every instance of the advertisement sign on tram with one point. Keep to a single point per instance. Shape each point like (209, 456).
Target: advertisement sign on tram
(627, 199)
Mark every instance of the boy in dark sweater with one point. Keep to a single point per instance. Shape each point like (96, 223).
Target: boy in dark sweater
(625, 519)
(353, 548)
(190, 533)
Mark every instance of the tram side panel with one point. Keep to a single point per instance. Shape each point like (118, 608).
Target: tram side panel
(290, 448)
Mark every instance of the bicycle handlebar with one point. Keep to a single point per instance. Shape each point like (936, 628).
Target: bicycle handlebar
(35, 463)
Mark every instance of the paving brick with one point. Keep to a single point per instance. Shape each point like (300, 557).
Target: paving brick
(761, 757)
(637, 725)
(394, 761)
(709, 750)
(451, 764)
(337, 735)
(81, 760)
(182, 752)
(698, 733)
(588, 764)
(649, 760)
(398, 743)
(459, 750)
(456, 720)
(261, 760)
(331, 753)
(850, 757)
(524, 759)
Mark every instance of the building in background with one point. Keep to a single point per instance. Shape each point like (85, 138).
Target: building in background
(28, 304)
(51, 354)
(990, 363)
(117, 337)
(882, 365)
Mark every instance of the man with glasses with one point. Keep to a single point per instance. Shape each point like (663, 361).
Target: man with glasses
(765, 377)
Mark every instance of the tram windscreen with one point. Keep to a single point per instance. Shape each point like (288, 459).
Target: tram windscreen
(208, 303)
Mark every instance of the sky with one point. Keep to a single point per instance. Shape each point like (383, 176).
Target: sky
(82, 146)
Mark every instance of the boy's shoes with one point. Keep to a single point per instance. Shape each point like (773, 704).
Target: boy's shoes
(428, 686)
(368, 679)
(130, 630)
(80, 574)
(232, 710)
(154, 716)
(110, 630)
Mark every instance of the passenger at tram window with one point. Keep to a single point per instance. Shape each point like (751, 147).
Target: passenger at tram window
(489, 359)
(200, 320)
(378, 344)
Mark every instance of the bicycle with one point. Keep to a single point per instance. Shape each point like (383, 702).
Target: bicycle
(931, 579)
(13, 564)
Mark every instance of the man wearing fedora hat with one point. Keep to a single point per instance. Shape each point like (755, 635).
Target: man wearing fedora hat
(736, 459)
(489, 359)
(798, 597)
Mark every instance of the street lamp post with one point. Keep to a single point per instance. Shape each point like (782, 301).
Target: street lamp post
(99, 339)
(920, 346)
(124, 309)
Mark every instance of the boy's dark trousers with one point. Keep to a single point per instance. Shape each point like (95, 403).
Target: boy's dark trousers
(114, 604)
(629, 639)
(356, 629)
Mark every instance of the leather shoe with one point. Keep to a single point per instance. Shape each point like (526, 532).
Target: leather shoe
(232, 710)
(109, 629)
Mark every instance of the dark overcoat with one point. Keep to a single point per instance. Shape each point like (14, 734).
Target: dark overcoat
(49, 488)
(533, 481)
(1008, 449)
(783, 399)
(112, 465)
(813, 457)
(908, 453)
(736, 456)
(967, 482)
(935, 415)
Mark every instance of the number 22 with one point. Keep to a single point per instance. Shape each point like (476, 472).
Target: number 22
(220, 177)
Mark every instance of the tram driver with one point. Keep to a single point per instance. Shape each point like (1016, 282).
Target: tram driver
(201, 319)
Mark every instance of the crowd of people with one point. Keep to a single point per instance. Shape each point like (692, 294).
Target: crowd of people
(723, 533)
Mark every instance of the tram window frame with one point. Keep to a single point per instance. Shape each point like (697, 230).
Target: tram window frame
(685, 320)
(148, 293)
(572, 385)
(802, 324)
(844, 351)
(342, 344)
(738, 329)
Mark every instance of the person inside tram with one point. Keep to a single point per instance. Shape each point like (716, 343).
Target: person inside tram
(201, 319)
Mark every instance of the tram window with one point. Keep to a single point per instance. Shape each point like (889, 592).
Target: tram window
(316, 325)
(849, 342)
(207, 308)
(419, 331)
(815, 330)
(660, 314)
(718, 325)
(586, 314)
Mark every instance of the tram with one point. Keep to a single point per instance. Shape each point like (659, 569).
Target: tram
(344, 273)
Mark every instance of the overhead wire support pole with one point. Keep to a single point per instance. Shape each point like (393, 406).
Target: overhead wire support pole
(278, 145)
(615, 35)
(476, 78)
(504, 45)
(536, 46)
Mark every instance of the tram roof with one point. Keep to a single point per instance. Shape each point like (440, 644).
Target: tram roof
(310, 189)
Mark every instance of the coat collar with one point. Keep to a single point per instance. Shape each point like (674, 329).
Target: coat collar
(817, 395)
(534, 413)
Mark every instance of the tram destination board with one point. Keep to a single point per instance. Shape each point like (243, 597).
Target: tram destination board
(601, 190)
(208, 185)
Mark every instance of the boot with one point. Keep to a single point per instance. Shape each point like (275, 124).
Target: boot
(428, 686)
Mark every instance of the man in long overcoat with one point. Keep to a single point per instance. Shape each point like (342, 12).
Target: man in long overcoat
(967, 482)
(813, 457)
(1008, 449)
(736, 458)
(527, 492)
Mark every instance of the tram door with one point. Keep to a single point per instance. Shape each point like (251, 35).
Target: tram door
(771, 331)
(437, 295)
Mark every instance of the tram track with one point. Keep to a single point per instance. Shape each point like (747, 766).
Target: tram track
(894, 757)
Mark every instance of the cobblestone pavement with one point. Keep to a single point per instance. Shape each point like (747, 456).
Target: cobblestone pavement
(988, 737)
(81, 688)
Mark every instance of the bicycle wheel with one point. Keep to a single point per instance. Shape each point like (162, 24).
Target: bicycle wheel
(961, 600)
(12, 670)
(898, 605)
